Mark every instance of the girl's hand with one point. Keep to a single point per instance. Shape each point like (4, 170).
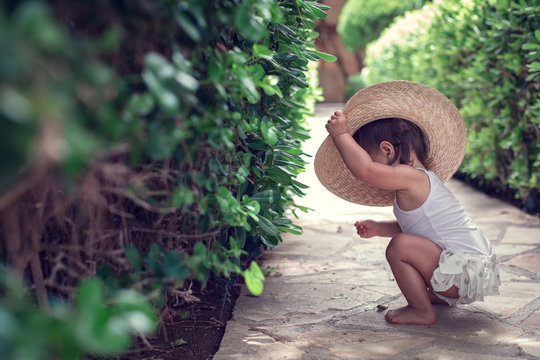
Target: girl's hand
(367, 228)
(337, 124)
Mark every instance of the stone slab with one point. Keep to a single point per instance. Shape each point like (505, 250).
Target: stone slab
(504, 250)
(472, 354)
(533, 320)
(529, 262)
(311, 243)
(532, 348)
(457, 324)
(514, 295)
(522, 235)
(361, 344)
(242, 342)
(297, 303)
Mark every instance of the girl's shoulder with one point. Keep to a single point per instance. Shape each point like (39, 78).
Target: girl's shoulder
(415, 193)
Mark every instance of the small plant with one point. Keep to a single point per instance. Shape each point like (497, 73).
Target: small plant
(178, 342)
(271, 271)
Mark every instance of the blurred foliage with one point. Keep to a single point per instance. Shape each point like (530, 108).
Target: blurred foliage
(485, 56)
(361, 21)
(355, 83)
(212, 93)
(96, 322)
(43, 80)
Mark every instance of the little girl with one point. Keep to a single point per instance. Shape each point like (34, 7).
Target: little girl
(436, 253)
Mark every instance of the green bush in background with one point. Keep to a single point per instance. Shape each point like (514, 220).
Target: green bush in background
(355, 83)
(361, 21)
(157, 141)
(485, 56)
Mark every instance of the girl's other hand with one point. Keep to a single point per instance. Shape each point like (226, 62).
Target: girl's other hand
(367, 228)
(337, 124)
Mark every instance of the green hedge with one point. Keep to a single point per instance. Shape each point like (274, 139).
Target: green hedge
(179, 121)
(361, 21)
(484, 55)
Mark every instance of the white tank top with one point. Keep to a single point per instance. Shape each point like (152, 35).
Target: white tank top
(442, 219)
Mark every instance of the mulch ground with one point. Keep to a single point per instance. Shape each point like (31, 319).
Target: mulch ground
(192, 331)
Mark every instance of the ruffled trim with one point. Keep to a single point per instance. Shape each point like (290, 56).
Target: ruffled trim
(476, 275)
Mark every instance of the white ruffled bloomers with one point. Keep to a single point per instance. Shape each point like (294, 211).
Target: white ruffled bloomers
(475, 275)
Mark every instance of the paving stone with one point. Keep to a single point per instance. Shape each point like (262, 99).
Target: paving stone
(531, 348)
(457, 323)
(450, 354)
(460, 323)
(294, 303)
(241, 342)
(533, 320)
(529, 262)
(359, 344)
(312, 243)
(502, 250)
(368, 250)
(514, 295)
(296, 270)
(522, 235)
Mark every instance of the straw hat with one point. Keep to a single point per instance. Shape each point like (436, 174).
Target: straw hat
(433, 112)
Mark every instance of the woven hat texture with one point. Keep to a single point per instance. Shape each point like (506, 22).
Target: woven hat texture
(433, 112)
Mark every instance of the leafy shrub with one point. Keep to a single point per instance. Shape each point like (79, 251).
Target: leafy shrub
(149, 144)
(355, 83)
(361, 21)
(485, 57)
(93, 323)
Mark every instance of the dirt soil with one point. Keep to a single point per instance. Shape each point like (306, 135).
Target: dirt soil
(197, 328)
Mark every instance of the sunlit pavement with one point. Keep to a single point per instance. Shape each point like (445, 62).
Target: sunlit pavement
(326, 289)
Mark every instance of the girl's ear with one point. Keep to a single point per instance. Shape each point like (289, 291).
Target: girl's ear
(388, 151)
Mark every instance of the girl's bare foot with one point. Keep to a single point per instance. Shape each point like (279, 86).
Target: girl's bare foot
(411, 316)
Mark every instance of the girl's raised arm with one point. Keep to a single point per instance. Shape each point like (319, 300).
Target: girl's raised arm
(362, 166)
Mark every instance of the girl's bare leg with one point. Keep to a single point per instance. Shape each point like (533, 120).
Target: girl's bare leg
(412, 260)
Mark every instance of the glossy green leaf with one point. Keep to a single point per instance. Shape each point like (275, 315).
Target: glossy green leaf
(267, 227)
(262, 51)
(315, 8)
(279, 175)
(269, 133)
(254, 278)
(325, 56)
(187, 25)
(270, 241)
(267, 197)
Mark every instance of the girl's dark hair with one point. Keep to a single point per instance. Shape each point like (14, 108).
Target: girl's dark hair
(404, 135)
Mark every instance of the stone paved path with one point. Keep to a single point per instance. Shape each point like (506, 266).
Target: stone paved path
(325, 288)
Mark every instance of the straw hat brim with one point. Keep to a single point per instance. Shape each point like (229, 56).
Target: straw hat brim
(433, 112)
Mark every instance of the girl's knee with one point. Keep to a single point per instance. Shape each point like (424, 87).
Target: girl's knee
(406, 246)
(396, 247)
